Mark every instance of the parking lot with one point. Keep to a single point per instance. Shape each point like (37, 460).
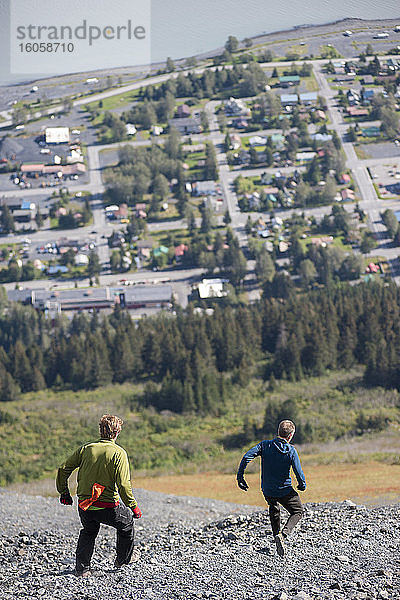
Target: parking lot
(381, 150)
(27, 144)
(387, 178)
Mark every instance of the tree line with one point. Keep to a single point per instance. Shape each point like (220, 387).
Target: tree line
(187, 362)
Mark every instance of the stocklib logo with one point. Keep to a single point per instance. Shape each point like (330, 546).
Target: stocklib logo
(73, 36)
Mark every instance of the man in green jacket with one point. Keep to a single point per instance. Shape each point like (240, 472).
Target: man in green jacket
(103, 478)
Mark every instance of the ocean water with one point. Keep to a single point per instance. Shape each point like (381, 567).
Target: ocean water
(180, 28)
(187, 27)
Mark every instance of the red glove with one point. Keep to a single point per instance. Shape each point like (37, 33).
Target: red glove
(137, 513)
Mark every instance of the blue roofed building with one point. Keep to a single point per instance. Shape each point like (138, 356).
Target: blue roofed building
(289, 99)
(367, 95)
(308, 98)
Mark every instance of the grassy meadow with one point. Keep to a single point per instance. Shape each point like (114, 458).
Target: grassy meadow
(198, 455)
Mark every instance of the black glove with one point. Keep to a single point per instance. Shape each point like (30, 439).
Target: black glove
(66, 499)
(301, 487)
(242, 483)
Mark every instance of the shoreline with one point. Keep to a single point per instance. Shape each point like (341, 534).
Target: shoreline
(301, 31)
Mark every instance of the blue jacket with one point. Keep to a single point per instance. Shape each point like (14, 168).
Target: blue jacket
(277, 456)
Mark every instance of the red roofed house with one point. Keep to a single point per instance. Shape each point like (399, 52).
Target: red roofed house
(345, 178)
(140, 208)
(122, 212)
(353, 111)
(372, 268)
(180, 251)
(347, 195)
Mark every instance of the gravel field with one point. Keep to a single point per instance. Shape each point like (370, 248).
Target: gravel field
(198, 548)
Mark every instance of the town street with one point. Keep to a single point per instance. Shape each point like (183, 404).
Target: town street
(101, 229)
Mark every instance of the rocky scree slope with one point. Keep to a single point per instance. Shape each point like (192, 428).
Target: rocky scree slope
(198, 548)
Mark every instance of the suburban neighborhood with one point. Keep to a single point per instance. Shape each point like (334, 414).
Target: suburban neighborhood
(211, 183)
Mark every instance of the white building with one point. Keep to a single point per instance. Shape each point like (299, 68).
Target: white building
(212, 288)
(57, 135)
(130, 129)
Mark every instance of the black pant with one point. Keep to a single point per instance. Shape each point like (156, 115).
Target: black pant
(120, 517)
(293, 505)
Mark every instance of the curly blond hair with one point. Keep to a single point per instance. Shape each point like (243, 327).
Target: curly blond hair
(110, 426)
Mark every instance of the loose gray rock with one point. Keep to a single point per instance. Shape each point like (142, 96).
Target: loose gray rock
(198, 548)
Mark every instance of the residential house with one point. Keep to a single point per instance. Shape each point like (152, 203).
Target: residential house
(305, 157)
(130, 129)
(13, 203)
(367, 80)
(371, 131)
(122, 212)
(322, 241)
(240, 123)
(243, 157)
(353, 97)
(308, 98)
(267, 178)
(188, 125)
(270, 189)
(347, 195)
(157, 130)
(204, 188)
(354, 111)
(236, 107)
(254, 200)
(183, 111)
(345, 178)
(289, 80)
(321, 137)
(180, 251)
(140, 208)
(345, 78)
(289, 99)
(144, 248)
(278, 140)
(367, 94)
(235, 141)
(257, 140)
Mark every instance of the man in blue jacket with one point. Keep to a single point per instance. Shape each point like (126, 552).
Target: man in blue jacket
(277, 456)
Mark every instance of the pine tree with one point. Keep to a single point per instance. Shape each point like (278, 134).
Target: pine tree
(38, 382)
(9, 389)
(20, 367)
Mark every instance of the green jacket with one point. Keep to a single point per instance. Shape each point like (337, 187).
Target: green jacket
(101, 462)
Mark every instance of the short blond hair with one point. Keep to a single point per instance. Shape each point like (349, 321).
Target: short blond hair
(286, 428)
(110, 426)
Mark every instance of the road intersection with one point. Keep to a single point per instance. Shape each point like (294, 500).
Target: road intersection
(370, 202)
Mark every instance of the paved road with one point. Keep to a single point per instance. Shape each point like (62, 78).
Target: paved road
(369, 200)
